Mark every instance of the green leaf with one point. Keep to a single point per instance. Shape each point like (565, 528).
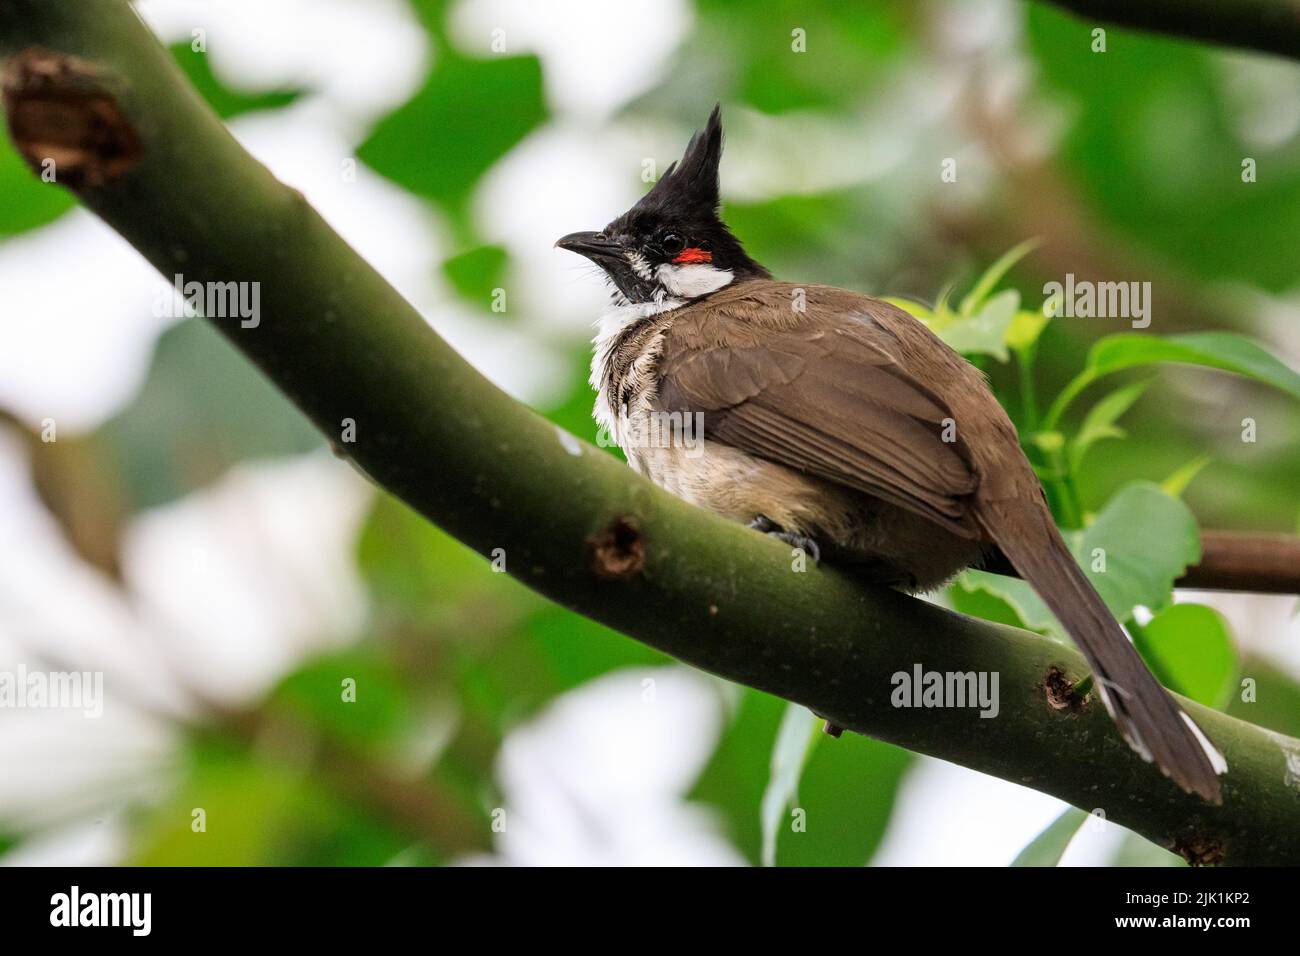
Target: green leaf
(1267, 696)
(1177, 482)
(916, 310)
(1189, 647)
(1225, 351)
(993, 275)
(846, 825)
(969, 598)
(795, 739)
(1018, 595)
(468, 114)
(476, 273)
(1219, 350)
(1100, 421)
(1048, 847)
(1144, 539)
(984, 324)
(1049, 442)
(1148, 539)
(937, 318)
(223, 100)
(29, 201)
(984, 333)
(1025, 329)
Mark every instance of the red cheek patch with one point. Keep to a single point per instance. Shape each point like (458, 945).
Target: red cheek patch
(693, 254)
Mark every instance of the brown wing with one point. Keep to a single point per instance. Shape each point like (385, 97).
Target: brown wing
(824, 392)
(836, 392)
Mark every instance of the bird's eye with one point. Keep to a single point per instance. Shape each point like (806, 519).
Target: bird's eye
(672, 243)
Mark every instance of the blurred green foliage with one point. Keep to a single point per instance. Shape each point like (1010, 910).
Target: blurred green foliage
(226, 102)
(468, 114)
(202, 409)
(258, 811)
(1154, 150)
(453, 656)
(28, 202)
(474, 274)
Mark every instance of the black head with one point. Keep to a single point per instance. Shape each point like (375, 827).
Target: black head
(672, 244)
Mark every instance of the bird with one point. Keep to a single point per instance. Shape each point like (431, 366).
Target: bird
(842, 425)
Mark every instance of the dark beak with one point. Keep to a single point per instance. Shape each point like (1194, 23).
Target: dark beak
(611, 257)
(593, 245)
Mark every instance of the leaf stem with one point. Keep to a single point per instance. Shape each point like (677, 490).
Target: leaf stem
(1028, 393)
(1067, 395)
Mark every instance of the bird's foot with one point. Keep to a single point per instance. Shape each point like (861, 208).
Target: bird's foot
(765, 525)
(802, 542)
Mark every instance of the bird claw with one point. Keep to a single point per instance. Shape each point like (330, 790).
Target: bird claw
(803, 542)
(765, 525)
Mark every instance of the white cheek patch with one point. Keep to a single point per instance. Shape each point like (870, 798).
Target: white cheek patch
(638, 264)
(693, 279)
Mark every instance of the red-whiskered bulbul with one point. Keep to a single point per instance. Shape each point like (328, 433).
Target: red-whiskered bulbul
(841, 424)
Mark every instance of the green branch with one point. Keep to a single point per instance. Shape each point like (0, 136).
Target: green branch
(1272, 26)
(87, 84)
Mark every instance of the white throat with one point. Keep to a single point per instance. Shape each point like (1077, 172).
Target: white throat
(680, 283)
(614, 320)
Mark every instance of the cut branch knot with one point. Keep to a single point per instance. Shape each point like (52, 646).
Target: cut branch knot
(618, 552)
(61, 113)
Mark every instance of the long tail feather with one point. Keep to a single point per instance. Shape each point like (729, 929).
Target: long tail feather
(1147, 716)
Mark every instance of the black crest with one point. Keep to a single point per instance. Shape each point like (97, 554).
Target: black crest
(692, 182)
(685, 202)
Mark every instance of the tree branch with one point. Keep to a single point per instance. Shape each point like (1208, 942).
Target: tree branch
(87, 84)
(1244, 561)
(1272, 26)
(1230, 561)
